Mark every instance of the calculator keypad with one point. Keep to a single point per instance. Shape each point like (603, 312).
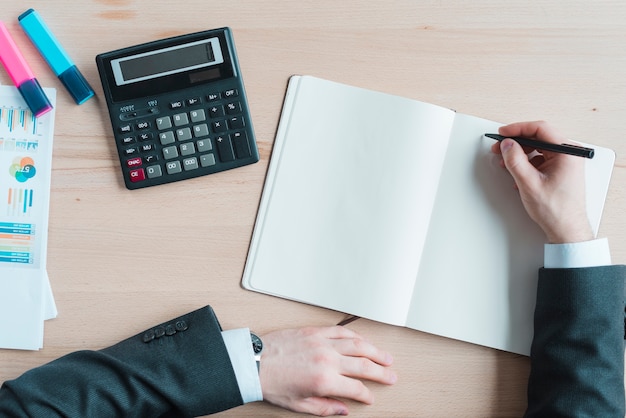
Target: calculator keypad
(186, 137)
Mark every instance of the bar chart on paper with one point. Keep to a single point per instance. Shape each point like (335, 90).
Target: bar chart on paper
(19, 145)
(20, 202)
(19, 129)
(17, 118)
(26, 144)
(16, 242)
(25, 151)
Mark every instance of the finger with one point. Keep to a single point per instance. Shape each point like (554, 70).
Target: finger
(363, 368)
(338, 332)
(323, 407)
(495, 148)
(516, 162)
(537, 129)
(363, 349)
(338, 386)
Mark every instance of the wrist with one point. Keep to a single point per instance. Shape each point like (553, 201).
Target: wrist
(570, 237)
(568, 229)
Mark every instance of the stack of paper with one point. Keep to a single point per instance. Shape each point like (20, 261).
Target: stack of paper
(25, 169)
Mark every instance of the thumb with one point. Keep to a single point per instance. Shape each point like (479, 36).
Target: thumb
(516, 162)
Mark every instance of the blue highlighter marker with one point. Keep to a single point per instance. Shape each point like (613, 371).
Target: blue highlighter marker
(55, 55)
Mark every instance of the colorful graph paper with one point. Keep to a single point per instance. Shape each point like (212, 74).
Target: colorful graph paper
(25, 172)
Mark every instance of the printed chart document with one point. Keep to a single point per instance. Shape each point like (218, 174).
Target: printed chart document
(396, 210)
(25, 169)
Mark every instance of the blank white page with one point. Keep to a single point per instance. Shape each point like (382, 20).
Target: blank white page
(347, 199)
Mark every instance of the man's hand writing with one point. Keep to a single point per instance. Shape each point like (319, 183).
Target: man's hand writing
(551, 185)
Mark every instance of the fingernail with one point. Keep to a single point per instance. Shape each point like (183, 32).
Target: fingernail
(393, 378)
(506, 145)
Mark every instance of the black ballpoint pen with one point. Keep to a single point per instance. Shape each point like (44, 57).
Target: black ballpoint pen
(546, 146)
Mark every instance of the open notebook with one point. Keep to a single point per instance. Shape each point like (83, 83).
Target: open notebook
(396, 210)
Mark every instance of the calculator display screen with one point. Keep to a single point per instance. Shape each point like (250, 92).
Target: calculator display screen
(166, 61)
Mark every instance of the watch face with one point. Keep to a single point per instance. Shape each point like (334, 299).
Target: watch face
(257, 344)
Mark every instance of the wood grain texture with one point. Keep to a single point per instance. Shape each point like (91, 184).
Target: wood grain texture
(120, 261)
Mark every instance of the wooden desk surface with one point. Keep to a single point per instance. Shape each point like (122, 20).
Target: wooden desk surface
(120, 261)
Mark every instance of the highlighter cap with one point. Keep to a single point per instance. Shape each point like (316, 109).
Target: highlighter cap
(76, 85)
(35, 97)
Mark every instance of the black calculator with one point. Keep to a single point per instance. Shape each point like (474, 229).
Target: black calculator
(178, 108)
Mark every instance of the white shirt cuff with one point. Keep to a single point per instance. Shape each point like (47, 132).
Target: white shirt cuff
(239, 347)
(576, 255)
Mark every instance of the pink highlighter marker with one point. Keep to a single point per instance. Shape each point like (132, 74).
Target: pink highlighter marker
(21, 74)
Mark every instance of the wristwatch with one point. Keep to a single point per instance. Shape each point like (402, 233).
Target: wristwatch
(257, 347)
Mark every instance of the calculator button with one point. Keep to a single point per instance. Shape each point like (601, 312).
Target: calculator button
(147, 147)
(216, 111)
(137, 175)
(207, 160)
(164, 123)
(236, 122)
(197, 115)
(142, 125)
(242, 146)
(150, 158)
(183, 134)
(167, 138)
(219, 126)
(154, 171)
(200, 130)
(233, 108)
(173, 167)
(127, 140)
(190, 163)
(187, 149)
(211, 97)
(124, 129)
(126, 116)
(230, 93)
(133, 162)
(145, 136)
(180, 119)
(225, 148)
(204, 145)
(170, 152)
(194, 101)
(177, 104)
(130, 151)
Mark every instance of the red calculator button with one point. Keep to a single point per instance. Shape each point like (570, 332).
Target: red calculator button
(133, 162)
(137, 175)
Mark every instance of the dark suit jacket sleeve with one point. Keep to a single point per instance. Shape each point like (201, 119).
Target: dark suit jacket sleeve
(577, 354)
(185, 372)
